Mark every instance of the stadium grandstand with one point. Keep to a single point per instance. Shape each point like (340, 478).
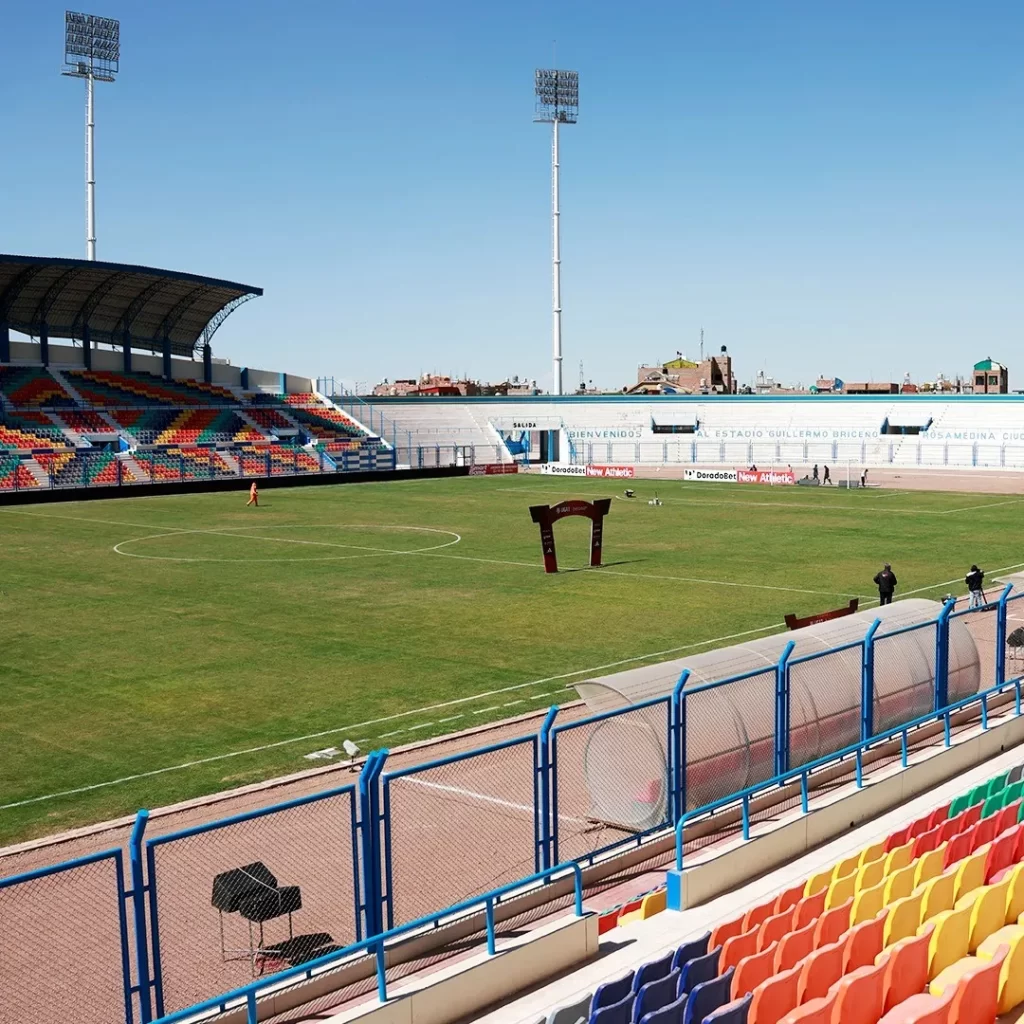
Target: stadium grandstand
(152, 405)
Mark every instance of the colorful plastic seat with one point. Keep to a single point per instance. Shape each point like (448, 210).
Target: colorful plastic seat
(899, 884)
(833, 924)
(752, 970)
(1011, 978)
(976, 998)
(988, 912)
(898, 857)
(896, 839)
(926, 842)
(950, 940)
(903, 920)
(774, 928)
(809, 908)
(814, 1011)
(957, 849)
(774, 998)
(840, 891)
(1001, 854)
(860, 995)
(699, 969)
(612, 992)
(873, 852)
(846, 866)
(1015, 894)
(929, 864)
(736, 948)
(817, 882)
(970, 873)
(708, 997)
(1005, 936)
(820, 971)
(868, 903)
(983, 833)
(788, 898)
(688, 950)
(652, 971)
(938, 816)
(868, 875)
(906, 968)
(725, 931)
(656, 995)
(736, 1012)
(617, 1013)
(792, 948)
(938, 894)
(865, 943)
(756, 916)
(671, 1014)
(920, 1009)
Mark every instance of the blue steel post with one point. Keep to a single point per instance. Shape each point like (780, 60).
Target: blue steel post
(1001, 635)
(547, 839)
(141, 927)
(942, 655)
(677, 749)
(867, 683)
(782, 710)
(370, 860)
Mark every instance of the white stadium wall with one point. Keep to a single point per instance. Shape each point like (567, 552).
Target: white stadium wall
(960, 431)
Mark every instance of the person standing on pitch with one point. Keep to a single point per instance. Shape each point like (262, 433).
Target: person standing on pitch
(814, 473)
(828, 477)
(886, 582)
(254, 495)
(975, 580)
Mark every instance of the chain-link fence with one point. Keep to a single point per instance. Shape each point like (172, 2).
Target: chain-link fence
(252, 895)
(820, 716)
(609, 779)
(726, 749)
(458, 827)
(64, 944)
(904, 675)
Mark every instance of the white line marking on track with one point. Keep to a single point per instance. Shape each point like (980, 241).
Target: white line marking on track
(484, 798)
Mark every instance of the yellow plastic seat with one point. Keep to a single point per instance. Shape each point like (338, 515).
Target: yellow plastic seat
(938, 894)
(1015, 895)
(840, 891)
(1004, 936)
(867, 904)
(1011, 978)
(903, 920)
(951, 939)
(970, 873)
(876, 851)
(952, 975)
(899, 857)
(929, 865)
(847, 866)
(869, 874)
(817, 882)
(988, 911)
(899, 884)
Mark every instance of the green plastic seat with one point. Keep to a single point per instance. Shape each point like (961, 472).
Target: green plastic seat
(959, 805)
(994, 804)
(1013, 792)
(997, 784)
(977, 795)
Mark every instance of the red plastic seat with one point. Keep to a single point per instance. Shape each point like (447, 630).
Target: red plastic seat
(921, 1009)
(1007, 817)
(789, 898)
(865, 943)
(774, 998)
(725, 931)
(1000, 855)
(810, 908)
(952, 827)
(756, 916)
(906, 968)
(918, 827)
(752, 970)
(984, 832)
(736, 948)
(938, 816)
(976, 998)
(958, 847)
(794, 947)
(926, 842)
(833, 924)
(815, 1011)
(900, 838)
(774, 928)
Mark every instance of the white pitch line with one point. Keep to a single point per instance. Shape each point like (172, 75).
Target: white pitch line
(959, 579)
(485, 799)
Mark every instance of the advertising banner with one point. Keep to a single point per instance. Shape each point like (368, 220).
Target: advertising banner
(562, 469)
(616, 472)
(710, 476)
(765, 476)
(493, 468)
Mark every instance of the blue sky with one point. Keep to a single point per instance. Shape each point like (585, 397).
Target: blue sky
(824, 187)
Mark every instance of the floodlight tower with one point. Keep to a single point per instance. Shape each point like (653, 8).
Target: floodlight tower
(558, 102)
(92, 50)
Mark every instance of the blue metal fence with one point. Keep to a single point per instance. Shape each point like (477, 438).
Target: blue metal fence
(405, 848)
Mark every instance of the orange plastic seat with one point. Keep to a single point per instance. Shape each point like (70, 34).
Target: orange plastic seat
(809, 909)
(860, 996)
(815, 1011)
(774, 928)
(906, 968)
(921, 1009)
(737, 947)
(976, 998)
(725, 931)
(752, 970)
(774, 998)
(865, 943)
(794, 947)
(756, 916)
(833, 924)
(788, 898)
(820, 971)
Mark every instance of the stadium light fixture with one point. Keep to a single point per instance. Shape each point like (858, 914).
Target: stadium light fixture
(558, 102)
(92, 50)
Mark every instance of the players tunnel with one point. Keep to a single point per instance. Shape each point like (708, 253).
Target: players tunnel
(730, 729)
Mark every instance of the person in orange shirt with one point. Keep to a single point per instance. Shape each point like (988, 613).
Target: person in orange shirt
(254, 495)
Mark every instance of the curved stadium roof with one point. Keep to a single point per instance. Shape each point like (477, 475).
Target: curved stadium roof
(112, 298)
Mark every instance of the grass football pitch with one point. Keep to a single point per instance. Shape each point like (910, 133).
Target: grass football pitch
(146, 634)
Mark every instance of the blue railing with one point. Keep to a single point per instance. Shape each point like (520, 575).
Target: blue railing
(524, 803)
(249, 994)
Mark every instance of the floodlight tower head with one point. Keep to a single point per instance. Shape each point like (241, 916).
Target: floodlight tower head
(92, 46)
(558, 102)
(558, 95)
(92, 50)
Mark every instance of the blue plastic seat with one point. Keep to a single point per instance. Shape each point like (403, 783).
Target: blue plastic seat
(655, 995)
(699, 970)
(618, 1013)
(612, 992)
(732, 1013)
(689, 950)
(707, 997)
(652, 971)
(671, 1014)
